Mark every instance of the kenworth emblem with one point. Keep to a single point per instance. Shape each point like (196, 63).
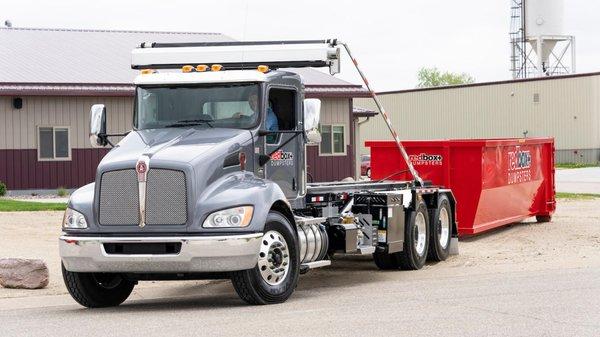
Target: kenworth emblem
(141, 168)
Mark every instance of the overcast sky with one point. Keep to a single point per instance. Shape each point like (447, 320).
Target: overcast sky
(391, 39)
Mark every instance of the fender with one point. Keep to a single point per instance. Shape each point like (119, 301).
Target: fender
(82, 200)
(237, 189)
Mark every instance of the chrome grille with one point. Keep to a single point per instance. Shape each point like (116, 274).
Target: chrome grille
(119, 198)
(166, 198)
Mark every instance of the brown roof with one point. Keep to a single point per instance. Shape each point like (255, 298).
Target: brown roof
(362, 112)
(118, 89)
(40, 61)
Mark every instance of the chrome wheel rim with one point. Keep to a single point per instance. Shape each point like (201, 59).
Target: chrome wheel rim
(273, 258)
(420, 233)
(444, 227)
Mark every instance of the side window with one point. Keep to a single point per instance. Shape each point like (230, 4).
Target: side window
(332, 140)
(53, 143)
(281, 112)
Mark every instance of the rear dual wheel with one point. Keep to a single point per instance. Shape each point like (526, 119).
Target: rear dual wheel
(416, 239)
(441, 229)
(416, 243)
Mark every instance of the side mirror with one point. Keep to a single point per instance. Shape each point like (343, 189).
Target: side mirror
(98, 126)
(313, 136)
(312, 115)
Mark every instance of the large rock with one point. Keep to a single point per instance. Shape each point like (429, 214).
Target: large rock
(23, 273)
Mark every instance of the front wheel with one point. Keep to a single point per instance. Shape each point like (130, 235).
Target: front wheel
(97, 290)
(275, 276)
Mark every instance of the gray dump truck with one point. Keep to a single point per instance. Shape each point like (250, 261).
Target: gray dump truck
(211, 183)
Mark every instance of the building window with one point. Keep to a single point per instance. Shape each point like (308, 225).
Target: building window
(53, 143)
(332, 140)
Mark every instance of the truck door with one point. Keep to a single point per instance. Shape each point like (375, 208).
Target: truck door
(286, 166)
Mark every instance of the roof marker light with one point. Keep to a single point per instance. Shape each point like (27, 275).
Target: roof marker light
(147, 71)
(216, 67)
(187, 69)
(263, 68)
(201, 67)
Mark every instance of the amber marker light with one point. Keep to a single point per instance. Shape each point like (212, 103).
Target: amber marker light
(263, 68)
(216, 67)
(201, 67)
(242, 157)
(187, 69)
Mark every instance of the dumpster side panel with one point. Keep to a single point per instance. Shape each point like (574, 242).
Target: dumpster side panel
(465, 181)
(512, 180)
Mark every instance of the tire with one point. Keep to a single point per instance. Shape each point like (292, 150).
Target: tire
(97, 290)
(543, 218)
(440, 220)
(385, 261)
(252, 285)
(416, 239)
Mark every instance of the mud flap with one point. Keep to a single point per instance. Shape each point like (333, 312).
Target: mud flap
(453, 246)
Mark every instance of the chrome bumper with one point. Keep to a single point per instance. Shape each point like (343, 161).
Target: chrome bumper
(197, 254)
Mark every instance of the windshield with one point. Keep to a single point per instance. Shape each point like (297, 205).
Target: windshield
(228, 106)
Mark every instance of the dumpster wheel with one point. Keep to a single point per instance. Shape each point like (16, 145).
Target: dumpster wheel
(543, 218)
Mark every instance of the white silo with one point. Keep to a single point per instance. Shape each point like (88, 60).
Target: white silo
(540, 46)
(544, 17)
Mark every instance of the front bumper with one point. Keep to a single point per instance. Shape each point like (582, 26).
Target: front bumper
(197, 254)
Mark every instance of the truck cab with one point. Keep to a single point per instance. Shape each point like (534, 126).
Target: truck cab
(210, 155)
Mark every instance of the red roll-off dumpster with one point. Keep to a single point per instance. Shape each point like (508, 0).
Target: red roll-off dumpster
(495, 181)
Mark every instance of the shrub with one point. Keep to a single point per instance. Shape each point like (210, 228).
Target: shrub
(62, 192)
(2, 189)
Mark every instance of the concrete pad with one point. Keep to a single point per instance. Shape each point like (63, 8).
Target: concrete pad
(581, 180)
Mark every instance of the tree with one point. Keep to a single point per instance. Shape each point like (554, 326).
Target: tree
(433, 77)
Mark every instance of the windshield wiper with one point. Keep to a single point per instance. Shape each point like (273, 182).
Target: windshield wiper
(189, 122)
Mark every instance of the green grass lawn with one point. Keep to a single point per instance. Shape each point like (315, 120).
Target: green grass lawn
(573, 165)
(578, 196)
(8, 205)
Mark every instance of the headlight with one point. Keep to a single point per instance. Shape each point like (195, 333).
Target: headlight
(74, 220)
(231, 217)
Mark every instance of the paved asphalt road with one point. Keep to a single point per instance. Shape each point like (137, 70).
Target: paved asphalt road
(582, 180)
(351, 299)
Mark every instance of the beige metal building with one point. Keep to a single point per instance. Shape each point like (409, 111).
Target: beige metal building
(565, 107)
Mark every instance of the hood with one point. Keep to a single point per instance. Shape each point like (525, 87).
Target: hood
(186, 145)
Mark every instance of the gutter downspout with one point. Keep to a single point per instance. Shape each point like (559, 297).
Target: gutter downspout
(358, 146)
